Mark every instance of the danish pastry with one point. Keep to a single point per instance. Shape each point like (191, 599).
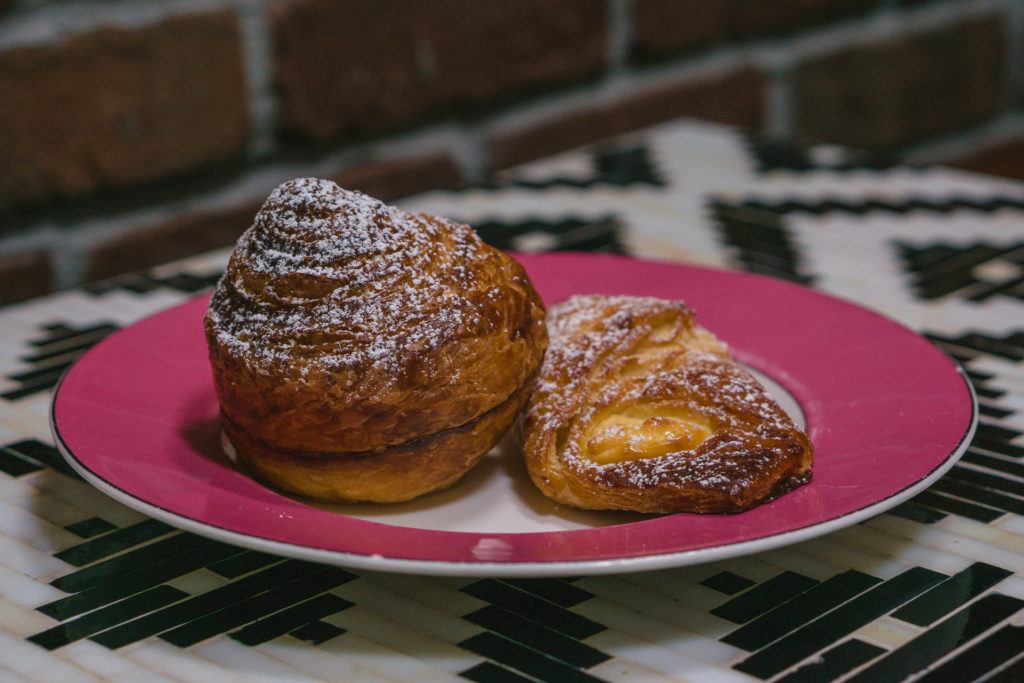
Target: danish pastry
(639, 408)
(364, 353)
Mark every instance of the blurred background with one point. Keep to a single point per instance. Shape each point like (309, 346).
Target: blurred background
(133, 133)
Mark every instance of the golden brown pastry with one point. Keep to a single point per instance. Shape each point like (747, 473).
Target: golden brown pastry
(639, 408)
(364, 353)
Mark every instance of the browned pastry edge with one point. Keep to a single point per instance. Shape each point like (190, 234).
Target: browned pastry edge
(380, 326)
(362, 352)
(385, 475)
(629, 356)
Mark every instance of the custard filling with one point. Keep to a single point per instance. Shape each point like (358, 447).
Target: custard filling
(622, 437)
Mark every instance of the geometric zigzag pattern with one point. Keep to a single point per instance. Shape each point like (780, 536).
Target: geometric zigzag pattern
(119, 595)
(867, 603)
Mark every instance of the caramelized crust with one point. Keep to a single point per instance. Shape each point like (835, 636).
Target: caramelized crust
(638, 408)
(385, 475)
(344, 326)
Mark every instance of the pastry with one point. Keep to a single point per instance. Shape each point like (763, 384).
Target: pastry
(639, 408)
(364, 353)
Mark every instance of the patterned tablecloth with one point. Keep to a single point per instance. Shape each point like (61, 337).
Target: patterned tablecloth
(92, 590)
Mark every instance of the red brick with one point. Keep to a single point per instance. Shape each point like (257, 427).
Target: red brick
(395, 178)
(1003, 159)
(667, 27)
(663, 28)
(752, 18)
(736, 98)
(177, 237)
(24, 276)
(356, 68)
(117, 106)
(892, 92)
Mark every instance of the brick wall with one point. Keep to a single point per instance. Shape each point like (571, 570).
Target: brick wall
(133, 133)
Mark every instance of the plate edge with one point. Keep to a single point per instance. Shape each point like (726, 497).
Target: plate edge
(522, 569)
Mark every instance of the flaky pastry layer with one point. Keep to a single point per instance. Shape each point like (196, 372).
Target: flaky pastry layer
(346, 326)
(385, 475)
(638, 408)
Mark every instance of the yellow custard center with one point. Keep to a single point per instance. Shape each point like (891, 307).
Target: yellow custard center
(621, 437)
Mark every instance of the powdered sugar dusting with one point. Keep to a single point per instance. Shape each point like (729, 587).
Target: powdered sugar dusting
(362, 283)
(591, 370)
(582, 328)
(723, 395)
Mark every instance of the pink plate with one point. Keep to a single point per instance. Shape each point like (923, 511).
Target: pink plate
(888, 414)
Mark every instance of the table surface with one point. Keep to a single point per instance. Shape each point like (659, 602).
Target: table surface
(934, 587)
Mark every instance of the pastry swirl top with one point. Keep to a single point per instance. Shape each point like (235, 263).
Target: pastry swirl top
(374, 324)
